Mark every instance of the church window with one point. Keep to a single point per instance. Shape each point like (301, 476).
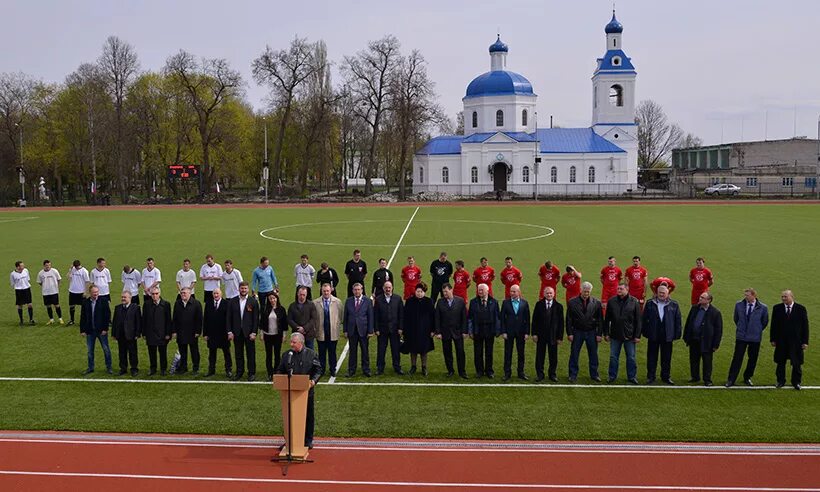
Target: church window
(524, 117)
(499, 118)
(445, 174)
(421, 175)
(592, 174)
(525, 174)
(474, 175)
(475, 119)
(553, 174)
(615, 42)
(572, 174)
(616, 61)
(616, 95)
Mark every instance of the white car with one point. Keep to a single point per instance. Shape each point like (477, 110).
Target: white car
(722, 189)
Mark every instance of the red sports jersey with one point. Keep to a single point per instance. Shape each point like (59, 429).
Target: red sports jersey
(410, 275)
(610, 277)
(701, 279)
(484, 275)
(572, 284)
(461, 280)
(549, 278)
(662, 280)
(637, 281)
(509, 277)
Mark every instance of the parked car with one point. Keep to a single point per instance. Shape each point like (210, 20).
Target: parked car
(722, 189)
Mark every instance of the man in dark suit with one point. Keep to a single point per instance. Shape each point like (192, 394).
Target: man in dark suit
(751, 318)
(451, 328)
(243, 322)
(661, 327)
(187, 328)
(584, 325)
(215, 328)
(95, 317)
(126, 329)
(622, 328)
(302, 316)
(515, 329)
(156, 327)
(381, 276)
(302, 360)
(789, 337)
(483, 325)
(547, 332)
(702, 333)
(388, 314)
(358, 328)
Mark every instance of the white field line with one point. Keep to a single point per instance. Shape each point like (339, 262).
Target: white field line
(346, 350)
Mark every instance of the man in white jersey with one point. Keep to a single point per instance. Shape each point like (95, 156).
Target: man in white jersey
(186, 278)
(131, 279)
(21, 283)
(101, 277)
(232, 278)
(78, 283)
(49, 280)
(151, 277)
(211, 275)
(304, 273)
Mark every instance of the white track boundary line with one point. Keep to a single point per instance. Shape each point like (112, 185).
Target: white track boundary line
(346, 350)
(405, 484)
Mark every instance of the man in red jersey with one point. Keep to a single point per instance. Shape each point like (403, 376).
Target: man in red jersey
(461, 281)
(701, 278)
(611, 276)
(636, 276)
(572, 282)
(670, 284)
(411, 276)
(549, 275)
(510, 276)
(484, 275)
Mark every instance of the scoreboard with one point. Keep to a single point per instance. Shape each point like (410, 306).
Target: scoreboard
(183, 171)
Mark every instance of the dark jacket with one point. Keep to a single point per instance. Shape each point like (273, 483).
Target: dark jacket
(381, 276)
(451, 321)
(304, 362)
(102, 317)
(187, 321)
(440, 272)
(242, 325)
(790, 333)
(305, 316)
(127, 324)
(419, 323)
(515, 324)
(580, 319)
(328, 277)
(388, 318)
(623, 318)
(548, 325)
(750, 329)
(659, 331)
(484, 321)
(711, 329)
(359, 321)
(156, 322)
(215, 324)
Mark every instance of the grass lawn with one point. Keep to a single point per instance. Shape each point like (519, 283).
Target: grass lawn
(769, 247)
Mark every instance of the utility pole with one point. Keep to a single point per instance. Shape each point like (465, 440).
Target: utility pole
(265, 165)
(20, 168)
(537, 157)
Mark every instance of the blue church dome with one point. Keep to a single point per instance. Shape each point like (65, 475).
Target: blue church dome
(497, 83)
(614, 27)
(498, 46)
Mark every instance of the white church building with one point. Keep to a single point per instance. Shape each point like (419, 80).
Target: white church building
(503, 150)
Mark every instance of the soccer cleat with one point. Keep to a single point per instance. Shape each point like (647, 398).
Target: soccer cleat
(61, 321)
(50, 322)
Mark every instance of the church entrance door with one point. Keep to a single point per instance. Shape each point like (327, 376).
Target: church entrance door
(499, 176)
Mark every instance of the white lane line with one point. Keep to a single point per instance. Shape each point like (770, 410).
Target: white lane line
(346, 350)
(460, 485)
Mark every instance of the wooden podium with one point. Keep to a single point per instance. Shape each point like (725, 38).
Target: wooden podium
(299, 390)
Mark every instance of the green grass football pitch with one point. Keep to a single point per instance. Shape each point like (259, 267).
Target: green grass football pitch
(769, 247)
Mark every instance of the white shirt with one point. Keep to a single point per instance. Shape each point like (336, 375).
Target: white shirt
(149, 277)
(186, 279)
(210, 271)
(20, 280)
(242, 302)
(232, 281)
(102, 279)
(273, 325)
(304, 275)
(78, 279)
(131, 281)
(49, 281)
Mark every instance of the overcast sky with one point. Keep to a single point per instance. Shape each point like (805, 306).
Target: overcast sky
(717, 67)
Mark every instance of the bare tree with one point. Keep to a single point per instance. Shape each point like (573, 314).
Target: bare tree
(209, 84)
(284, 71)
(368, 76)
(690, 140)
(656, 136)
(89, 83)
(17, 92)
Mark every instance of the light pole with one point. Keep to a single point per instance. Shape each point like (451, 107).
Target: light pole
(265, 165)
(20, 169)
(537, 159)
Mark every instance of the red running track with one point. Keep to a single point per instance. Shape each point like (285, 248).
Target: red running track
(125, 462)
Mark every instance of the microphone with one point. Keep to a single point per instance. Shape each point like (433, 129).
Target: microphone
(290, 362)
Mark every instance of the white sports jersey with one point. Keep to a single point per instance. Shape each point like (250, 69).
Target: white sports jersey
(210, 271)
(304, 275)
(102, 280)
(131, 281)
(186, 279)
(149, 277)
(20, 280)
(49, 281)
(232, 281)
(78, 278)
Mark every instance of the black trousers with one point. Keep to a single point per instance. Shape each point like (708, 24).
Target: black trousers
(695, 356)
(435, 291)
(797, 373)
(383, 340)
(163, 357)
(483, 354)
(542, 349)
(183, 355)
(447, 348)
(226, 353)
(273, 352)
(244, 347)
(128, 353)
(665, 350)
(741, 347)
(359, 342)
(309, 420)
(518, 340)
(208, 297)
(327, 356)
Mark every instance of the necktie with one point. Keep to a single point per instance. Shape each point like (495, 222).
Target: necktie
(788, 310)
(357, 303)
(216, 304)
(484, 303)
(749, 309)
(549, 305)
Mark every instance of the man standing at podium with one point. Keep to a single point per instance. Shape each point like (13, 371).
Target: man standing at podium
(302, 360)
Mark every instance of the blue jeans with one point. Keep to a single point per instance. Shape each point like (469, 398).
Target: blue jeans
(578, 340)
(327, 357)
(90, 341)
(615, 358)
